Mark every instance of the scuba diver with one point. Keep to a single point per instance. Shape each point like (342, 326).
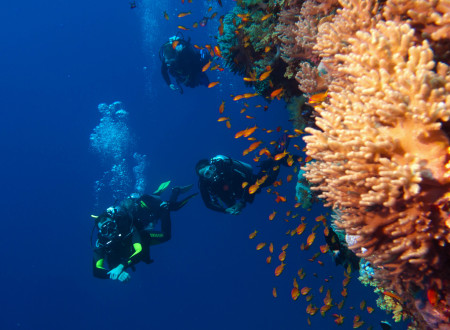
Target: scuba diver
(221, 179)
(126, 232)
(182, 61)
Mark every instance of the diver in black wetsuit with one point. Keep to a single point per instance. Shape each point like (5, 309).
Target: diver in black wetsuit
(126, 232)
(221, 180)
(182, 61)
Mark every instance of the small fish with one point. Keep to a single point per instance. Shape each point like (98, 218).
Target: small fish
(369, 310)
(339, 319)
(272, 215)
(317, 98)
(217, 51)
(195, 25)
(282, 256)
(260, 246)
(264, 75)
(266, 17)
(228, 124)
(244, 184)
(279, 269)
(268, 259)
(305, 290)
(271, 248)
(252, 235)
(432, 296)
(166, 16)
(344, 292)
(249, 117)
(253, 188)
(198, 47)
(301, 273)
(290, 160)
(393, 295)
(254, 145)
(249, 79)
(184, 14)
(362, 305)
(276, 92)
(214, 83)
(324, 248)
(222, 107)
(284, 247)
(221, 25)
(181, 27)
(206, 66)
(289, 178)
(274, 292)
(280, 199)
(223, 119)
(216, 67)
(295, 284)
(279, 156)
(310, 239)
(295, 293)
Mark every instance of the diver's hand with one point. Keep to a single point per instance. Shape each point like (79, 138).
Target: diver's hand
(115, 273)
(235, 209)
(173, 87)
(164, 205)
(124, 277)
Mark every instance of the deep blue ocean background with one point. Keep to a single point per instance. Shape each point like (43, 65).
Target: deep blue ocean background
(59, 60)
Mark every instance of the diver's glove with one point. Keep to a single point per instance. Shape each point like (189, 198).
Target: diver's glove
(114, 274)
(173, 87)
(236, 208)
(124, 277)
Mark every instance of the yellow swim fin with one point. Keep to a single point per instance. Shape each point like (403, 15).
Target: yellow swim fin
(162, 187)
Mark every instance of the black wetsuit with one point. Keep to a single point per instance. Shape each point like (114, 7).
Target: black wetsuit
(136, 224)
(225, 188)
(185, 66)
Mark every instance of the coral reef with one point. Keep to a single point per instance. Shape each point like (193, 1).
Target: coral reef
(381, 149)
(250, 47)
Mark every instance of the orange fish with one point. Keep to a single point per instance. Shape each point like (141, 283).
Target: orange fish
(175, 44)
(279, 269)
(310, 239)
(324, 309)
(221, 25)
(284, 247)
(244, 184)
(217, 51)
(362, 305)
(432, 297)
(295, 284)
(228, 124)
(274, 292)
(195, 25)
(268, 259)
(214, 83)
(223, 119)
(282, 256)
(305, 290)
(264, 75)
(339, 319)
(198, 47)
(254, 145)
(324, 248)
(370, 310)
(280, 199)
(215, 67)
(206, 66)
(260, 246)
(249, 117)
(393, 295)
(238, 97)
(276, 92)
(344, 292)
(317, 98)
(266, 17)
(272, 215)
(253, 188)
(183, 14)
(289, 178)
(271, 248)
(280, 155)
(311, 310)
(345, 281)
(182, 28)
(301, 274)
(250, 131)
(295, 293)
(249, 95)
(252, 235)
(222, 107)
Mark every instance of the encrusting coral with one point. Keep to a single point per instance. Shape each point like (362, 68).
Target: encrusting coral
(381, 150)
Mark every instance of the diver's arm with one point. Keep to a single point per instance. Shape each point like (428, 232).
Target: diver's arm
(137, 247)
(97, 265)
(165, 73)
(207, 199)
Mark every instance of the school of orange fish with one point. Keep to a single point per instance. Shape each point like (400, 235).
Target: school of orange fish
(259, 148)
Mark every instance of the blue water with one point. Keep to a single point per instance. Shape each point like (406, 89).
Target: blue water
(59, 60)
